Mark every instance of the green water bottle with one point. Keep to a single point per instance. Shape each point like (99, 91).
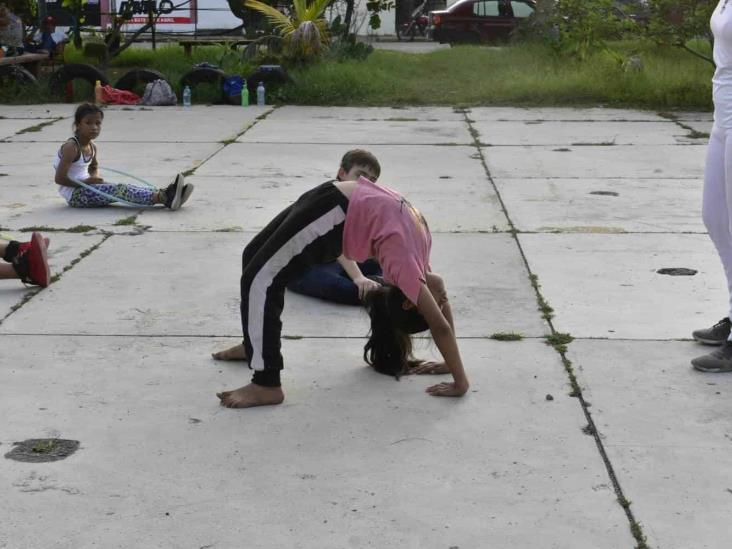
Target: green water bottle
(244, 94)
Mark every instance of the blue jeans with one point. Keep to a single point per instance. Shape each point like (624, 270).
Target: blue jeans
(330, 282)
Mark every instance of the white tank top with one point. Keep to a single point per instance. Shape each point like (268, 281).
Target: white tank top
(721, 24)
(79, 169)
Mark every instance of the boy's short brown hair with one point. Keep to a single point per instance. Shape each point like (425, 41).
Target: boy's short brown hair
(360, 157)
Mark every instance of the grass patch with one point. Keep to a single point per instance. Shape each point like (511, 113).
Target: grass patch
(506, 336)
(44, 446)
(559, 341)
(524, 75)
(126, 221)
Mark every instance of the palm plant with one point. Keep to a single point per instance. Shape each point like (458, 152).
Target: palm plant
(305, 34)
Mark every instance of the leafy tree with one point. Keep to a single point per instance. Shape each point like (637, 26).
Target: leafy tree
(27, 10)
(677, 22)
(584, 26)
(305, 34)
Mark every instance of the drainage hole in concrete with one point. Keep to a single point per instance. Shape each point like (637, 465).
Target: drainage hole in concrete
(39, 450)
(677, 271)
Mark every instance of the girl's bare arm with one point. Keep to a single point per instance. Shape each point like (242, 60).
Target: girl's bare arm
(68, 155)
(444, 337)
(364, 285)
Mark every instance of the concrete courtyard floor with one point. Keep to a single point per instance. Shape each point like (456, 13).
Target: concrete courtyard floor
(571, 209)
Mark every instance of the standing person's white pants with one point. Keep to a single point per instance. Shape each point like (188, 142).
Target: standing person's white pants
(717, 202)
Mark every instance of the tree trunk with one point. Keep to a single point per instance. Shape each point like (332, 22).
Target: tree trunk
(347, 18)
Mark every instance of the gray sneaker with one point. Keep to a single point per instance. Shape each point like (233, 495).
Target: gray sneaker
(716, 335)
(719, 360)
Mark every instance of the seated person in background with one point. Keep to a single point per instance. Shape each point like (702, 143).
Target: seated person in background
(331, 281)
(11, 32)
(47, 38)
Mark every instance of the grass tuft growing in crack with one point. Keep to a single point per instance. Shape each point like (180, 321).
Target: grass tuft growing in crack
(126, 221)
(37, 127)
(506, 336)
(559, 341)
(82, 255)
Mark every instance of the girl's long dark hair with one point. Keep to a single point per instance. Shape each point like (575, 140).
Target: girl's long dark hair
(389, 348)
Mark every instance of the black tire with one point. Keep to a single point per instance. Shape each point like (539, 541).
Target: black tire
(205, 75)
(18, 74)
(129, 81)
(75, 71)
(269, 75)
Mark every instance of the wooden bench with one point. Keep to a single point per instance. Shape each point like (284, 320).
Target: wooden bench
(232, 42)
(31, 60)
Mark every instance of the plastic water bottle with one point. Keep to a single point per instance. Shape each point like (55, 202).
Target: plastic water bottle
(260, 95)
(98, 93)
(244, 94)
(187, 96)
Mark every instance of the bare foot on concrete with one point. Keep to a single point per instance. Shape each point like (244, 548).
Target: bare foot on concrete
(251, 395)
(234, 353)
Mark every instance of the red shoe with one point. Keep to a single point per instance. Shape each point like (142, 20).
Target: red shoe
(31, 263)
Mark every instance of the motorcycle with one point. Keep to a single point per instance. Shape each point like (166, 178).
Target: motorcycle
(418, 24)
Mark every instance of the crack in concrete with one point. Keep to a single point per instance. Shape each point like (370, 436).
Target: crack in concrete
(591, 429)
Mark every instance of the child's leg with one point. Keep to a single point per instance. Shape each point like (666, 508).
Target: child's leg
(309, 232)
(86, 198)
(7, 271)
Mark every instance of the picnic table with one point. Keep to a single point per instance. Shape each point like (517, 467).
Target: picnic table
(31, 60)
(230, 41)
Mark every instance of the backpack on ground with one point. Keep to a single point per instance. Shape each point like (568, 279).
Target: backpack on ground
(159, 92)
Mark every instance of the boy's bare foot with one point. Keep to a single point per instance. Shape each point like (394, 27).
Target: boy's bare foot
(234, 353)
(251, 395)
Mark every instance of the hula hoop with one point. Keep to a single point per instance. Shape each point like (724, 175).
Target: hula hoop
(115, 199)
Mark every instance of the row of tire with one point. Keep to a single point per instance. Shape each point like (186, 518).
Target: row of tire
(135, 77)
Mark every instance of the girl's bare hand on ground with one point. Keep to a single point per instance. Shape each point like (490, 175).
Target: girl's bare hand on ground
(447, 389)
(428, 367)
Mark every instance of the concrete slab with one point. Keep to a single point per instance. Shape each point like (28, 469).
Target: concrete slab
(561, 114)
(394, 131)
(161, 125)
(190, 286)
(226, 203)
(574, 133)
(633, 161)
(315, 163)
(666, 429)
(34, 160)
(9, 127)
(587, 205)
(161, 464)
(607, 286)
(63, 249)
(427, 114)
(692, 115)
(49, 110)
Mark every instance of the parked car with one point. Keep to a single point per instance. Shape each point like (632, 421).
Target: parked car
(475, 21)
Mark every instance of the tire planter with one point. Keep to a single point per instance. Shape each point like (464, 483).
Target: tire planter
(135, 77)
(75, 71)
(16, 73)
(268, 74)
(205, 75)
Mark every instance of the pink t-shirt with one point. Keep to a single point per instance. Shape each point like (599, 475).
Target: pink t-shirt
(380, 223)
